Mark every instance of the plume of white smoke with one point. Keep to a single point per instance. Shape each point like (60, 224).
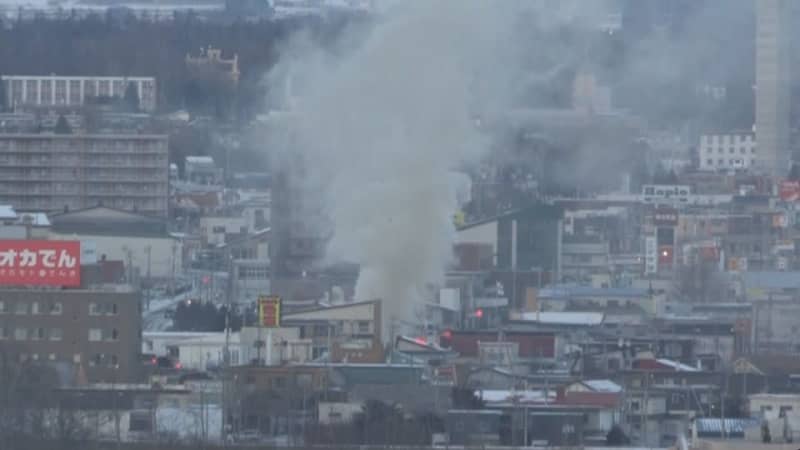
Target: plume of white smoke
(383, 127)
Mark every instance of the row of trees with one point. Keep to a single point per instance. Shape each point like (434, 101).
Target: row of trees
(206, 316)
(126, 46)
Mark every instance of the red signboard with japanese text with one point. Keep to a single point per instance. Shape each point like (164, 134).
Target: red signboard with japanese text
(42, 263)
(789, 191)
(269, 311)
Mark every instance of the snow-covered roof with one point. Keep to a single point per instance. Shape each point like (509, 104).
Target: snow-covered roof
(677, 366)
(38, 219)
(7, 212)
(564, 318)
(502, 396)
(200, 160)
(602, 385)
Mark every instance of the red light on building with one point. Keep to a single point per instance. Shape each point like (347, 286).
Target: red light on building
(206, 279)
(421, 340)
(665, 255)
(479, 313)
(447, 334)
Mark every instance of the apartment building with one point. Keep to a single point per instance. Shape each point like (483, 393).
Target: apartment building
(97, 330)
(51, 90)
(54, 173)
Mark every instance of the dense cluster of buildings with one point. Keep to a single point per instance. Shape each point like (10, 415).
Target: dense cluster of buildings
(658, 312)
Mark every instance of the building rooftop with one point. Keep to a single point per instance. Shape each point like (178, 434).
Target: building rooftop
(602, 385)
(567, 291)
(563, 318)
(712, 426)
(771, 280)
(200, 160)
(7, 212)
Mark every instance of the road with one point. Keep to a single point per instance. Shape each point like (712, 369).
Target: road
(153, 319)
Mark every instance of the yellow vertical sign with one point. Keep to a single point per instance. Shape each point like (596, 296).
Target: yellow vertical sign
(269, 311)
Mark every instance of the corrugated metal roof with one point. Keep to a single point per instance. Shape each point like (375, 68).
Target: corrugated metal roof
(708, 427)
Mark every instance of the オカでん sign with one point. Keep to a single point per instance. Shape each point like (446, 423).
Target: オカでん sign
(43, 263)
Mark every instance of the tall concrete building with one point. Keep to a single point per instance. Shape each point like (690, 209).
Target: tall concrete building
(58, 172)
(773, 89)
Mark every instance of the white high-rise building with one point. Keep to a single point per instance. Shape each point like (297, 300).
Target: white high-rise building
(773, 92)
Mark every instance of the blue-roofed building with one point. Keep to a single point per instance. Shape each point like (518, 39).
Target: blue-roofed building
(731, 428)
(759, 285)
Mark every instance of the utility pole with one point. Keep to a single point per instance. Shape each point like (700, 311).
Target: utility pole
(172, 271)
(226, 357)
(148, 251)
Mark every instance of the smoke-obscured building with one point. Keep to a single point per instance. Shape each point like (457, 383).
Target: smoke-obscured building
(773, 84)
(297, 242)
(52, 90)
(728, 151)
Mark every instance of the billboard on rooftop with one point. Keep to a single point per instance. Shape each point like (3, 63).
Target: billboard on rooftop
(40, 263)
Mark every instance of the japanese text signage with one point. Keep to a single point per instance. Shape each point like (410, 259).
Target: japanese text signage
(42, 263)
(269, 311)
(665, 217)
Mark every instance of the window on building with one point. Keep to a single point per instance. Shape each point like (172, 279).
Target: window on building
(710, 162)
(21, 308)
(363, 326)
(3, 307)
(140, 421)
(114, 309)
(113, 361)
(39, 333)
(278, 383)
(95, 334)
(56, 334)
(56, 308)
(218, 229)
(94, 309)
(35, 308)
(20, 334)
(3, 333)
(114, 334)
(635, 405)
(743, 150)
(720, 162)
(784, 409)
(96, 359)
